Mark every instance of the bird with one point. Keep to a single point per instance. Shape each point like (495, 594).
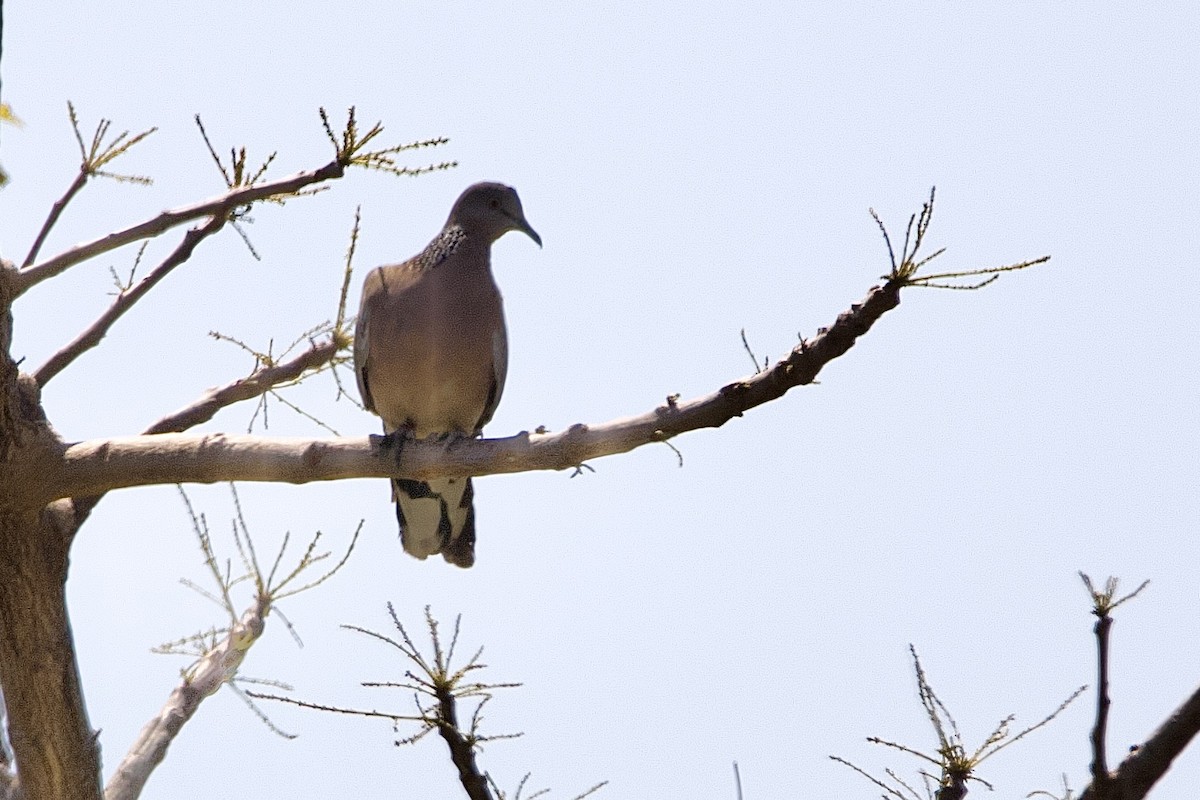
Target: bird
(431, 355)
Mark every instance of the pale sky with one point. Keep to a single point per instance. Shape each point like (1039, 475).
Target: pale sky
(694, 169)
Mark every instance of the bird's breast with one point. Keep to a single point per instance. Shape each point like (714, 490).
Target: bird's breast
(439, 368)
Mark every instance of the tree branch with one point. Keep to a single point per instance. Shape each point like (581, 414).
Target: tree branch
(1099, 738)
(1148, 763)
(462, 750)
(217, 667)
(214, 207)
(256, 384)
(56, 211)
(97, 466)
(98, 329)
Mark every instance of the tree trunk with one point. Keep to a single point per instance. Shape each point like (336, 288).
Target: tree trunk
(55, 750)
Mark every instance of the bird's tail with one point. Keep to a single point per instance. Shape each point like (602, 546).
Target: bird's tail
(437, 516)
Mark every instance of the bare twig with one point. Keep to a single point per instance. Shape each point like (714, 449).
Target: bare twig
(438, 681)
(341, 324)
(753, 358)
(93, 159)
(1103, 603)
(905, 270)
(56, 211)
(235, 174)
(956, 768)
(98, 329)
(342, 330)
(1106, 600)
(1143, 768)
(1099, 737)
(267, 359)
(890, 790)
(123, 285)
(350, 147)
(461, 746)
(1067, 795)
(357, 712)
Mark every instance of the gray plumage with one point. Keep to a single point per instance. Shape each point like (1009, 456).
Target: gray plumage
(431, 354)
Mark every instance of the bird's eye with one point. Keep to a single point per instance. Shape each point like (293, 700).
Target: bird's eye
(495, 203)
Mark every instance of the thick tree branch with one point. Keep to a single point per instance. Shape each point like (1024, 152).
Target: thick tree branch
(98, 466)
(214, 207)
(98, 329)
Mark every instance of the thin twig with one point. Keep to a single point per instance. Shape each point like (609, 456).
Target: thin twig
(92, 159)
(340, 320)
(753, 358)
(335, 709)
(56, 211)
(1099, 737)
(1103, 603)
(869, 777)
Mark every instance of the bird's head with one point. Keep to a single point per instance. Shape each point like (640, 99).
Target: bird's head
(491, 210)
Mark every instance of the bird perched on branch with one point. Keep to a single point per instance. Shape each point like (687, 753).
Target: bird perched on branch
(431, 353)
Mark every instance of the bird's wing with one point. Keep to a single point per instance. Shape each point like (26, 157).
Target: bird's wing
(362, 346)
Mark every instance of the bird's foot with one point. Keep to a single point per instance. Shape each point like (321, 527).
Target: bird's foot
(450, 438)
(392, 442)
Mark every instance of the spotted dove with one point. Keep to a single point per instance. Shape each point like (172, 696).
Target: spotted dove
(431, 353)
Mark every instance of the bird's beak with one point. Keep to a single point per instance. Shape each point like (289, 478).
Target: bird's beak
(526, 229)
(519, 224)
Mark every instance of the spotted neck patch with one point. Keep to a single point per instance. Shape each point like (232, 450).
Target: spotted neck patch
(441, 248)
